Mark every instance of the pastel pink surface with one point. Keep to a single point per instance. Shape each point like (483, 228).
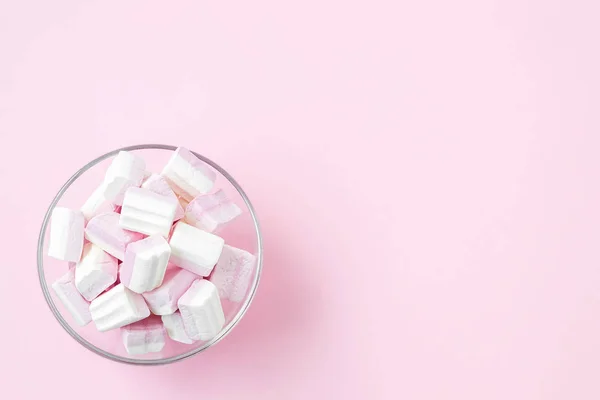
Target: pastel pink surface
(447, 149)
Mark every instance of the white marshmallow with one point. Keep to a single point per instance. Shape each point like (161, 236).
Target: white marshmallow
(147, 212)
(201, 311)
(145, 263)
(70, 297)
(158, 184)
(163, 299)
(66, 234)
(188, 175)
(145, 336)
(118, 307)
(96, 271)
(96, 203)
(232, 273)
(105, 232)
(211, 211)
(195, 250)
(174, 325)
(126, 170)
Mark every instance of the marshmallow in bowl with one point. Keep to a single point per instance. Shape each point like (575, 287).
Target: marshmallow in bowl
(211, 211)
(145, 263)
(201, 310)
(145, 336)
(66, 234)
(187, 175)
(96, 271)
(158, 184)
(174, 325)
(163, 299)
(126, 170)
(67, 293)
(105, 232)
(195, 250)
(232, 273)
(118, 307)
(147, 212)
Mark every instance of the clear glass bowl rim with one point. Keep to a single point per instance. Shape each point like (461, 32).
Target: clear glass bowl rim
(110, 356)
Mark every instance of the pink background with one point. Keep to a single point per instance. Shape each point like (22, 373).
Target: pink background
(426, 175)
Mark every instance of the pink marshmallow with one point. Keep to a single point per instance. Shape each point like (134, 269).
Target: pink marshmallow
(158, 184)
(96, 271)
(187, 175)
(211, 211)
(104, 231)
(66, 234)
(145, 263)
(67, 293)
(232, 273)
(163, 300)
(145, 336)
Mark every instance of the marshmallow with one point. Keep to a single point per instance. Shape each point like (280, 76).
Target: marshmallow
(211, 211)
(195, 250)
(145, 263)
(70, 297)
(188, 175)
(147, 212)
(157, 184)
(96, 271)
(126, 170)
(201, 310)
(95, 203)
(174, 325)
(118, 307)
(232, 273)
(66, 234)
(145, 336)
(104, 231)
(163, 299)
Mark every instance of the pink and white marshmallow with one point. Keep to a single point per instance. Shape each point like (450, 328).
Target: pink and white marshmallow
(118, 307)
(126, 170)
(201, 310)
(163, 299)
(145, 336)
(145, 263)
(96, 271)
(158, 184)
(147, 212)
(66, 234)
(67, 293)
(174, 325)
(211, 211)
(233, 273)
(105, 232)
(195, 250)
(187, 175)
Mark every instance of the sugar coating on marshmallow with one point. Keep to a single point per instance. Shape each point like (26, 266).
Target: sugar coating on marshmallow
(118, 307)
(96, 271)
(66, 234)
(163, 299)
(147, 212)
(188, 175)
(174, 325)
(105, 232)
(145, 336)
(67, 293)
(232, 273)
(211, 211)
(158, 184)
(195, 250)
(96, 203)
(201, 310)
(126, 170)
(145, 263)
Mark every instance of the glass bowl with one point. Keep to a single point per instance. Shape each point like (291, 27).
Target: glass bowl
(243, 232)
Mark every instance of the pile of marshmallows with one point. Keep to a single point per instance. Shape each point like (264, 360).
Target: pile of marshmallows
(149, 254)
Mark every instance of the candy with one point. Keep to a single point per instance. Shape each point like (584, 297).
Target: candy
(174, 325)
(157, 184)
(126, 170)
(188, 175)
(195, 250)
(232, 273)
(201, 310)
(147, 212)
(96, 271)
(118, 307)
(163, 300)
(210, 212)
(66, 234)
(104, 231)
(145, 336)
(67, 293)
(145, 263)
